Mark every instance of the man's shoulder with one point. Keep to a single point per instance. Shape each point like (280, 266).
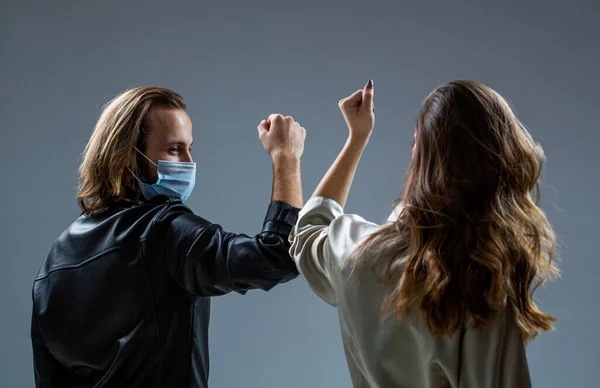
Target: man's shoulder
(118, 226)
(175, 220)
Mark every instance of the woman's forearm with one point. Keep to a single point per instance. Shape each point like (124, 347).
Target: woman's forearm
(338, 179)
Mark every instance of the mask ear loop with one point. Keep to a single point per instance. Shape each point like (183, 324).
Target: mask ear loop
(134, 175)
(138, 181)
(147, 158)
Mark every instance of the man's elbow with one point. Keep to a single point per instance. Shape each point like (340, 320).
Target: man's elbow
(277, 278)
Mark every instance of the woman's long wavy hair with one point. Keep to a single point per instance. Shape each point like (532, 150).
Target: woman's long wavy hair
(471, 239)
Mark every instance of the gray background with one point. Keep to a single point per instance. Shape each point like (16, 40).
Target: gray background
(237, 61)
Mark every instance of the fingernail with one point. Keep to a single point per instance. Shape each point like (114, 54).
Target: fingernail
(370, 84)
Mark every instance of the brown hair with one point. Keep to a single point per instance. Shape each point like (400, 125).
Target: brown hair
(471, 239)
(104, 176)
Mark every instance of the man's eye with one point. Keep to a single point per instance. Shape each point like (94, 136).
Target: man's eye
(174, 150)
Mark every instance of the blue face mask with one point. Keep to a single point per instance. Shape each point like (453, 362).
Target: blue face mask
(175, 179)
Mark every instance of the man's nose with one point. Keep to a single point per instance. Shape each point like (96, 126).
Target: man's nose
(186, 157)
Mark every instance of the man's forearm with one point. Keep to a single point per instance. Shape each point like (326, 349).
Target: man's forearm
(287, 182)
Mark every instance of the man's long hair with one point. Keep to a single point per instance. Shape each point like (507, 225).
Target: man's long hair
(471, 239)
(105, 174)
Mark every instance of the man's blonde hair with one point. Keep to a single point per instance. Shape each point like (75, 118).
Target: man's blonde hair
(104, 174)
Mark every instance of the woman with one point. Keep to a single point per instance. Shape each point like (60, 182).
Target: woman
(441, 294)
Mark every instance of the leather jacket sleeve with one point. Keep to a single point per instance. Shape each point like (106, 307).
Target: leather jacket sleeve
(207, 261)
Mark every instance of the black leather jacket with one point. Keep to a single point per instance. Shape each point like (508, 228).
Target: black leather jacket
(122, 299)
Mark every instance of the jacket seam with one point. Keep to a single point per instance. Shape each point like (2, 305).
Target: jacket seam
(87, 261)
(192, 340)
(158, 336)
(154, 313)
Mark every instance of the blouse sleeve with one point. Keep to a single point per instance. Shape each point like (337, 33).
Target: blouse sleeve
(322, 240)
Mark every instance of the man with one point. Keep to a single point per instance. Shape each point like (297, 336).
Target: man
(122, 299)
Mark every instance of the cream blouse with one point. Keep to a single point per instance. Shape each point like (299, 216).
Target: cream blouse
(396, 353)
